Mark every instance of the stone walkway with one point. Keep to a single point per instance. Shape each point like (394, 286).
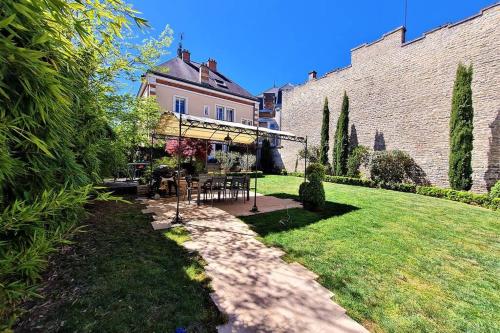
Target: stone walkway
(253, 286)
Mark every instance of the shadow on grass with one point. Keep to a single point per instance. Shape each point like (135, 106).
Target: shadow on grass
(121, 276)
(294, 218)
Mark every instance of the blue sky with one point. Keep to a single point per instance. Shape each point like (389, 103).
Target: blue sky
(257, 43)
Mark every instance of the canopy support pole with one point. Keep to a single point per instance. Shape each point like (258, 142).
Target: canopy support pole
(254, 208)
(177, 218)
(206, 156)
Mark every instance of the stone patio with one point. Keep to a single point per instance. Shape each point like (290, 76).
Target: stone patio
(253, 286)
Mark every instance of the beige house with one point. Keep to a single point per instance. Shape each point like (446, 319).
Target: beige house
(199, 89)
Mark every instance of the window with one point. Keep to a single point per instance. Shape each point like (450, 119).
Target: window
(206, 111)
(246, 122)
(221, 84)
(180, 105)
(229, 114)
(219, 113)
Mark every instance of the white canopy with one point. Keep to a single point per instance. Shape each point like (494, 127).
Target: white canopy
(215, 130)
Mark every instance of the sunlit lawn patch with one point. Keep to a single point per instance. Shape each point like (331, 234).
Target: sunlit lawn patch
(398, 262)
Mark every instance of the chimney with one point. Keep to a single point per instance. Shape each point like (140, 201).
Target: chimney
(204, 74)
(269, 101)
(212, 64)
(186, 55)
(312, 75)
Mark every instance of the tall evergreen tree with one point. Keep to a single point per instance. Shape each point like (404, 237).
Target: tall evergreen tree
(461, 126)
(341, 145)
(266, 157)
(325, 135)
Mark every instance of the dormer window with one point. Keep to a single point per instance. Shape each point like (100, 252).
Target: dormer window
(221, 84)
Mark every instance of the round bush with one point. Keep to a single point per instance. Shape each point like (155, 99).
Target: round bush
(495, 190)
(315, 171)
(313, 195)
(395, 166)
(301, 191)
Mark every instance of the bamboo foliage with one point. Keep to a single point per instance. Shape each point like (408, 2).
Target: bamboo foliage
(59, 61)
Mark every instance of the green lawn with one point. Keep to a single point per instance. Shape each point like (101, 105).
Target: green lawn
(398, 262)
(121, 276)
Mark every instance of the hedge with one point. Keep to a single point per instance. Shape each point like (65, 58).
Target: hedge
(483, 200)
(293, 174)
(470, 198)
(350, 181)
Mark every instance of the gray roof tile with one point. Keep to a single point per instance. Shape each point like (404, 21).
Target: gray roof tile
(189, 72)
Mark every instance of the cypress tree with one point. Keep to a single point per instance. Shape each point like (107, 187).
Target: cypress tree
(325, 135)
(461, 126)
(341, 145)
(266, 157)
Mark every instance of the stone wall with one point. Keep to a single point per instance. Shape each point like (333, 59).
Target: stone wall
(400, 97)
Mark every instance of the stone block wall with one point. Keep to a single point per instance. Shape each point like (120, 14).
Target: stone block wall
(400, 97)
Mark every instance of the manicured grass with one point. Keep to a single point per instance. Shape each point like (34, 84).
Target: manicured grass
(398, 262)
(121, 276)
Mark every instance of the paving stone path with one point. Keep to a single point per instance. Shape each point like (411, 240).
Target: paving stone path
(253, 286)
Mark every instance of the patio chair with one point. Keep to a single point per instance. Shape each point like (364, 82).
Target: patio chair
(191, 186)
(219, 186)
(204, 187)
(246, 193)
(238, 184)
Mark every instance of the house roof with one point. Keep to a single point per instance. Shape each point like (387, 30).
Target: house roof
(188, 72)
(275, 90)
(287, 86)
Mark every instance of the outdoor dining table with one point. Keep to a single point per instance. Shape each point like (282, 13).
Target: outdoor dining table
(228, 182)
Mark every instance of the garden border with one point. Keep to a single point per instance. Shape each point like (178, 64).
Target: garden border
(474, 199)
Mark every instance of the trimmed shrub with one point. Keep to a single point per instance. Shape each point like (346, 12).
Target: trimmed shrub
(400, 187)
(461, 131)
(350, 181)
(341, 144)
(358, 156)
(495, 204)
(313, 195)
(461, 196)
(296, 174)
(395, 166)
(301, 190)
(315, 171)
(495, 190)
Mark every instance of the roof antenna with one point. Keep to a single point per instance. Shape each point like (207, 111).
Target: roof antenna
(405, 12)
(179, 49)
